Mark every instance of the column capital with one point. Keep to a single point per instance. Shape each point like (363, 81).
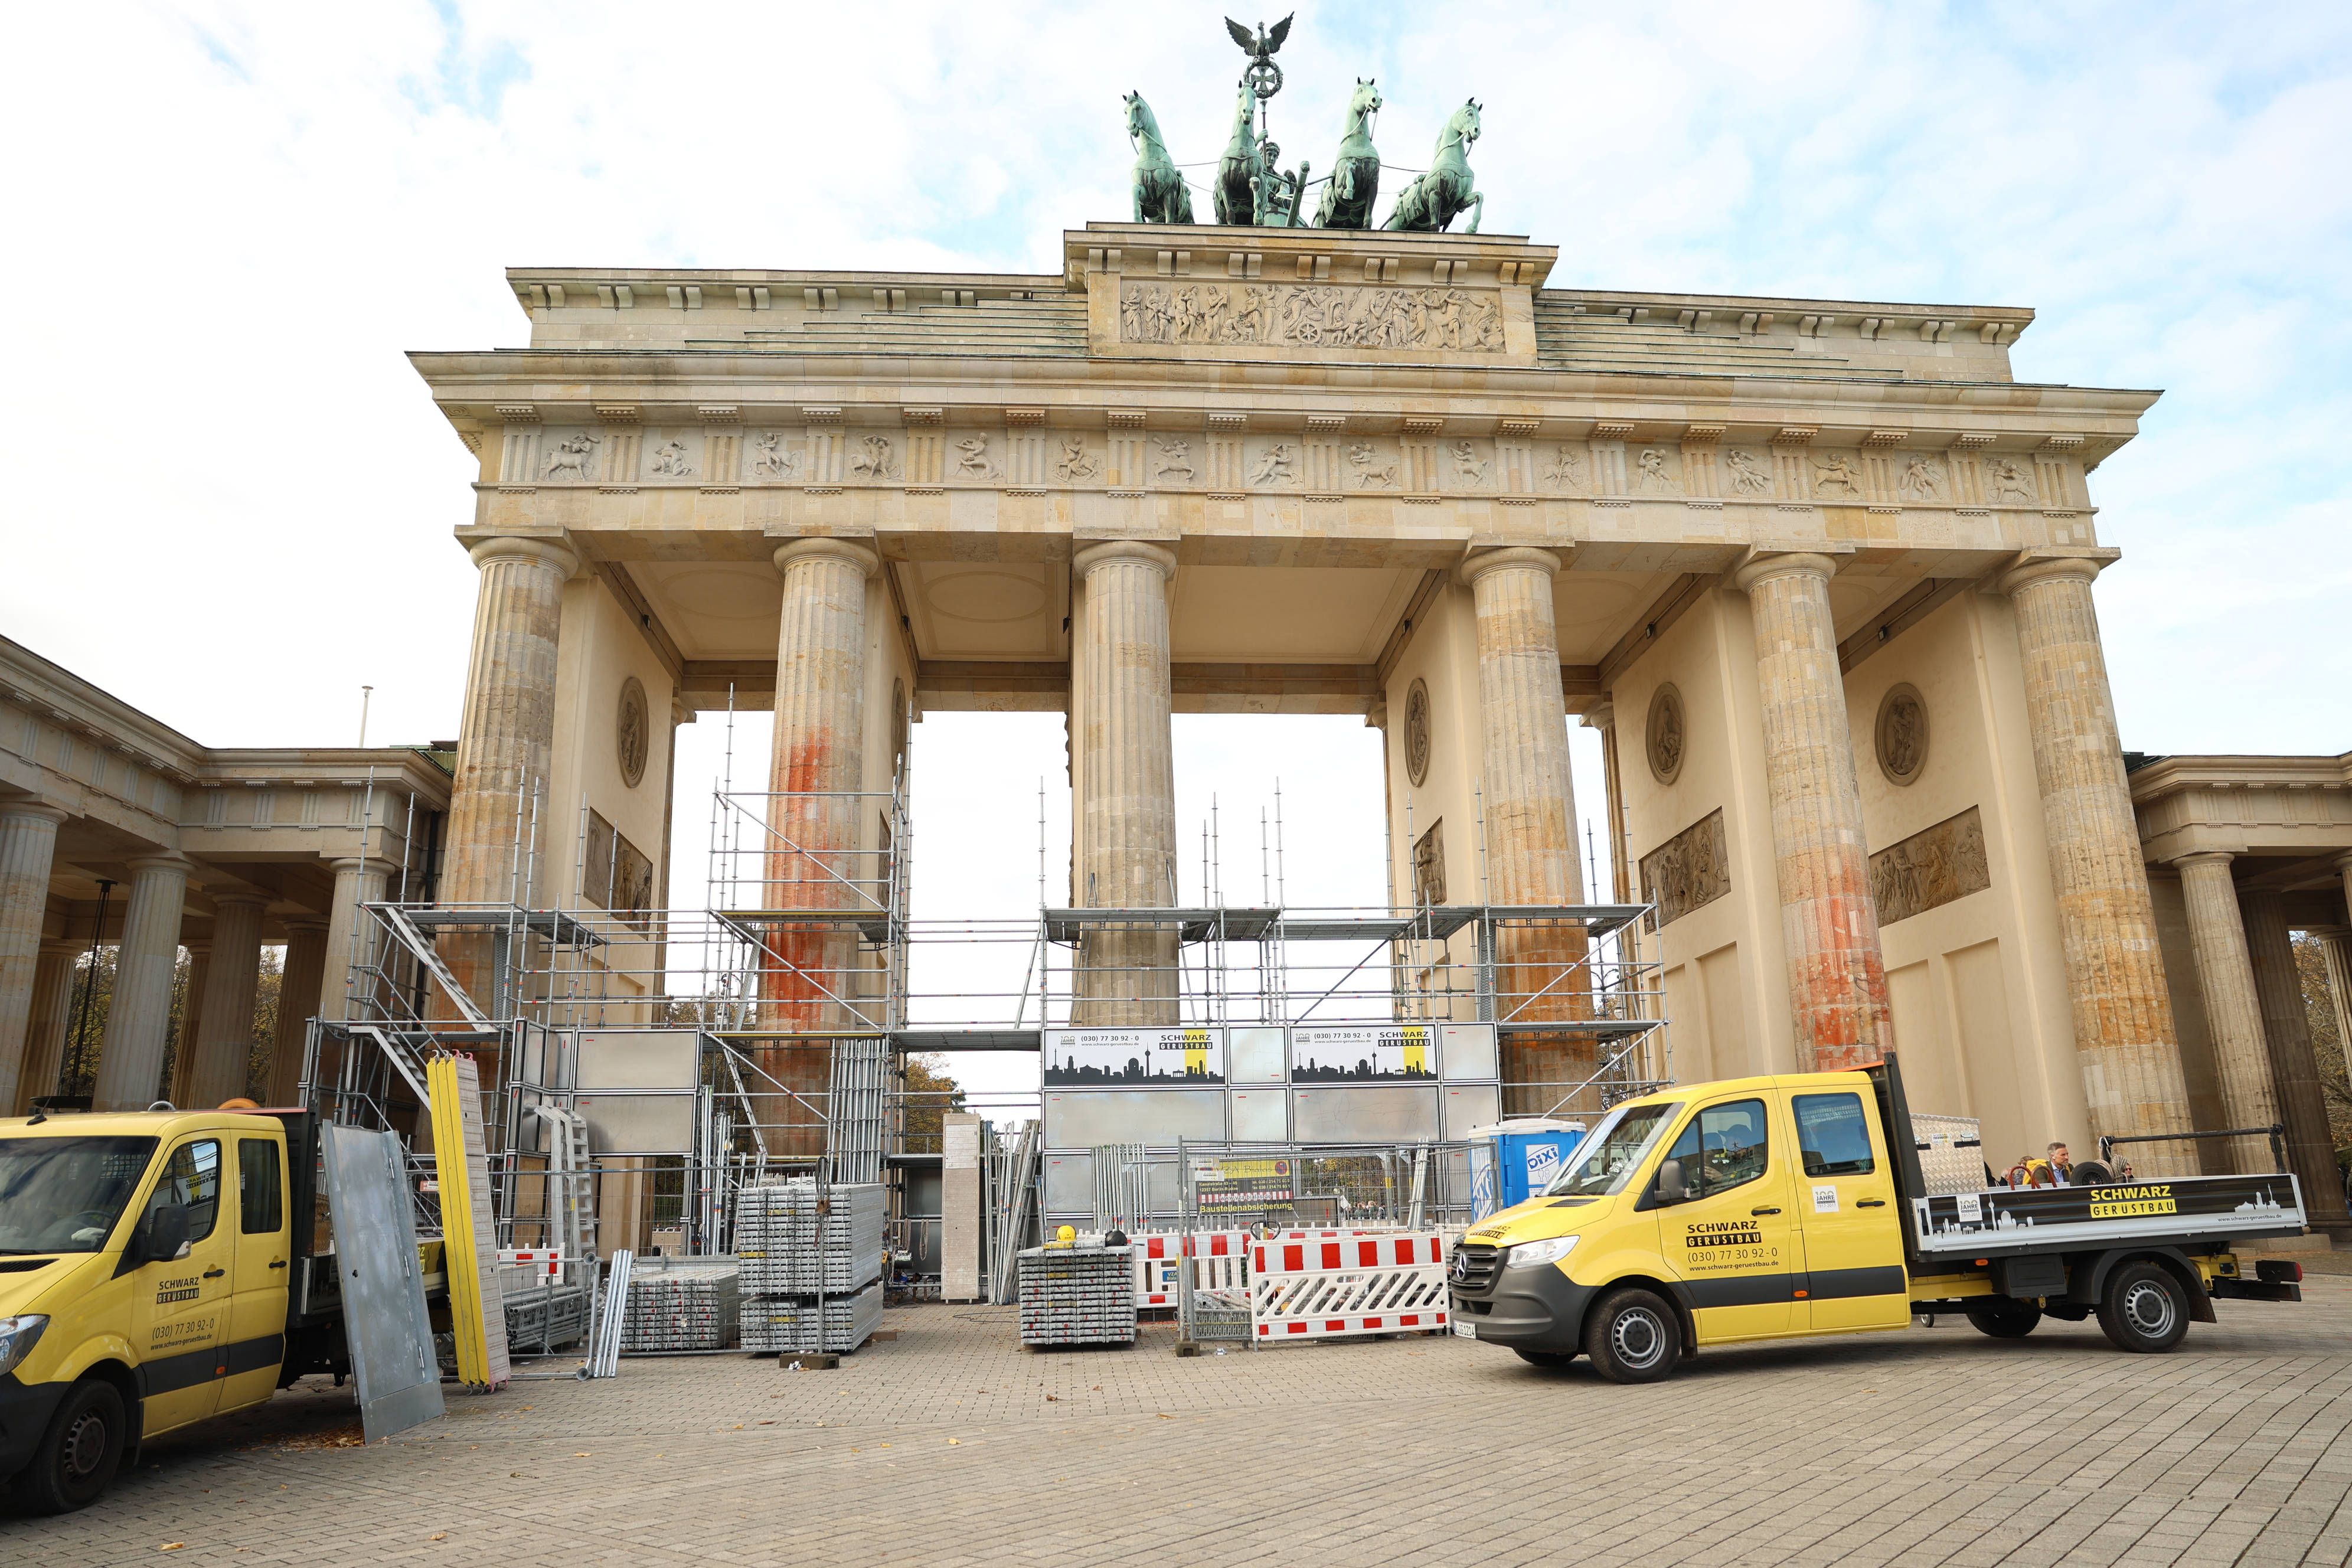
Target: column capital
(1510, 558)
(846, 551)
(556, 553)
(32, 811)
(1134, 551)
(362, 865)
(165, 861)
(241, 897)
(304, 925)
(1763, 565)
(2034, 566)
(1601, 714)
(2221, 858)
(2344, 862)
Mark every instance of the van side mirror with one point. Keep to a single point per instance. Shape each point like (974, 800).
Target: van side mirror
(1671, 1187)
(164, 1234)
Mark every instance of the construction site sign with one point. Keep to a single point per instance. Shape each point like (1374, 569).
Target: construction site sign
(1244, 1187)
(1368, 1053)
(1134, 1059)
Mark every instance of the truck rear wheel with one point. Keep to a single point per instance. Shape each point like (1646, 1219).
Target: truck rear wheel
(2004, 1317)
(1632, 1337)
(80, 1452)
(2143, 1308)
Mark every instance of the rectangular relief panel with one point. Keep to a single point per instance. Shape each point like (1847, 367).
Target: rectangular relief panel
(1382, 1115)
(1467, 1052)
(1080, 1119)
(1134, 1059)
(1931, 868)
(1254, 1056)
(1471, 1105)
(1688, 872)
(1260, 1116)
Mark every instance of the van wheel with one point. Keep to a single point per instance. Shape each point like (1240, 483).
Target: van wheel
(80, 1452)
(1632, 1337)
(1550, 1360)
(2004, 1317)
(2143, 1308)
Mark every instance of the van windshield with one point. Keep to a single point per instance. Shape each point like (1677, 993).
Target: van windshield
(63, 1195)
(1607, 1160)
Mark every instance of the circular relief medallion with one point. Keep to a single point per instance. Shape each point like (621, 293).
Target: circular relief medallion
(1665, 734)
(1902, 733)
(633, 731)
(1416, 733)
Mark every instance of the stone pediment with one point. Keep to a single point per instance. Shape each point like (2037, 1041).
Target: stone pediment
(1202, 293)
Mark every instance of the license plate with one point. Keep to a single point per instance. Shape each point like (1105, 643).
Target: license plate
(1463, 1328)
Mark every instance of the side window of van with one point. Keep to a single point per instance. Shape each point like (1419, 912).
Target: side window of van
(191, 1180)
(1834, 1135)
(1724, 1147)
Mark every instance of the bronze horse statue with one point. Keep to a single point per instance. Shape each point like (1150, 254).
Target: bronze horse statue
(1241, 170)
(1355, 181)
(1161, 195)
(1435, 199)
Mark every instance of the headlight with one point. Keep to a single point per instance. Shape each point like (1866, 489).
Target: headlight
(1529, 1253)
(17, 1338)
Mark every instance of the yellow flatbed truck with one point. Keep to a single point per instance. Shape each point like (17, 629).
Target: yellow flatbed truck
(156, 1269)
(1765, 1208)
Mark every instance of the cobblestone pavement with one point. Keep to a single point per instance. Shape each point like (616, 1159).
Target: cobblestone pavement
(952, 1445)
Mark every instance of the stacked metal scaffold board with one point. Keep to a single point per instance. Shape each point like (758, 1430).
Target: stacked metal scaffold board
(1077, 1296)
(683, 1304)
(791, 1255)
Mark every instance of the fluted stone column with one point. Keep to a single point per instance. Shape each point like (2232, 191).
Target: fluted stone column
(2225, 972)
(816, 764)
(222, 1043)
(300, 979)
(2124, 1036)
(45, 1040)
(1122, 699)
(1529, 807)
(130, 1063)
(180, 1037)
(1602, 717)
(1837, 972)
(2294, 1069)
(350, 935)
(504, 737)
(28, 842)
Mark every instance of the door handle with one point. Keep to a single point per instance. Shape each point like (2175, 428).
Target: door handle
(280, 1264)
(1870, 1203)
(1763, 1211)
(215, 1273)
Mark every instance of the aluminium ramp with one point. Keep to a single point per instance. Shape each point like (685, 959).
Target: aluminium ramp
(384, 1321)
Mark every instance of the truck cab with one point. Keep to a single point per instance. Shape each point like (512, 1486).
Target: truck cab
(147, 1267)
(1773, 1207)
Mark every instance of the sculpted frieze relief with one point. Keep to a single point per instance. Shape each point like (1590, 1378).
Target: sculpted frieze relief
(1688, 872)
(1606, 468)
(1310, 316)
(1931, 868)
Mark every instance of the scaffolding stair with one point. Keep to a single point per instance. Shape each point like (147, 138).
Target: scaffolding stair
(420, 946)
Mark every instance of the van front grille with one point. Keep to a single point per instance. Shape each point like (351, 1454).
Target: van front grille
(1475, 1267)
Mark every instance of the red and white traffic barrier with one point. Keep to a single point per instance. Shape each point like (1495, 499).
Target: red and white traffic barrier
(535, 1261)
(1327, 1285)
(1220, 1262)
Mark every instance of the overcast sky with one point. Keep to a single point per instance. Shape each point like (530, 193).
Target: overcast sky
(230, 499)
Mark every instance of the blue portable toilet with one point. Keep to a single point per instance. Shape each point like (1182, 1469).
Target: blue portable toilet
(1512, 1161)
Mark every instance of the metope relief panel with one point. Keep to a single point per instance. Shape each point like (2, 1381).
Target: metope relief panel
(671, 455)
(570, 456)
(1688, 872)
(1931, 868)
(1565, 468)
(1317, 316)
